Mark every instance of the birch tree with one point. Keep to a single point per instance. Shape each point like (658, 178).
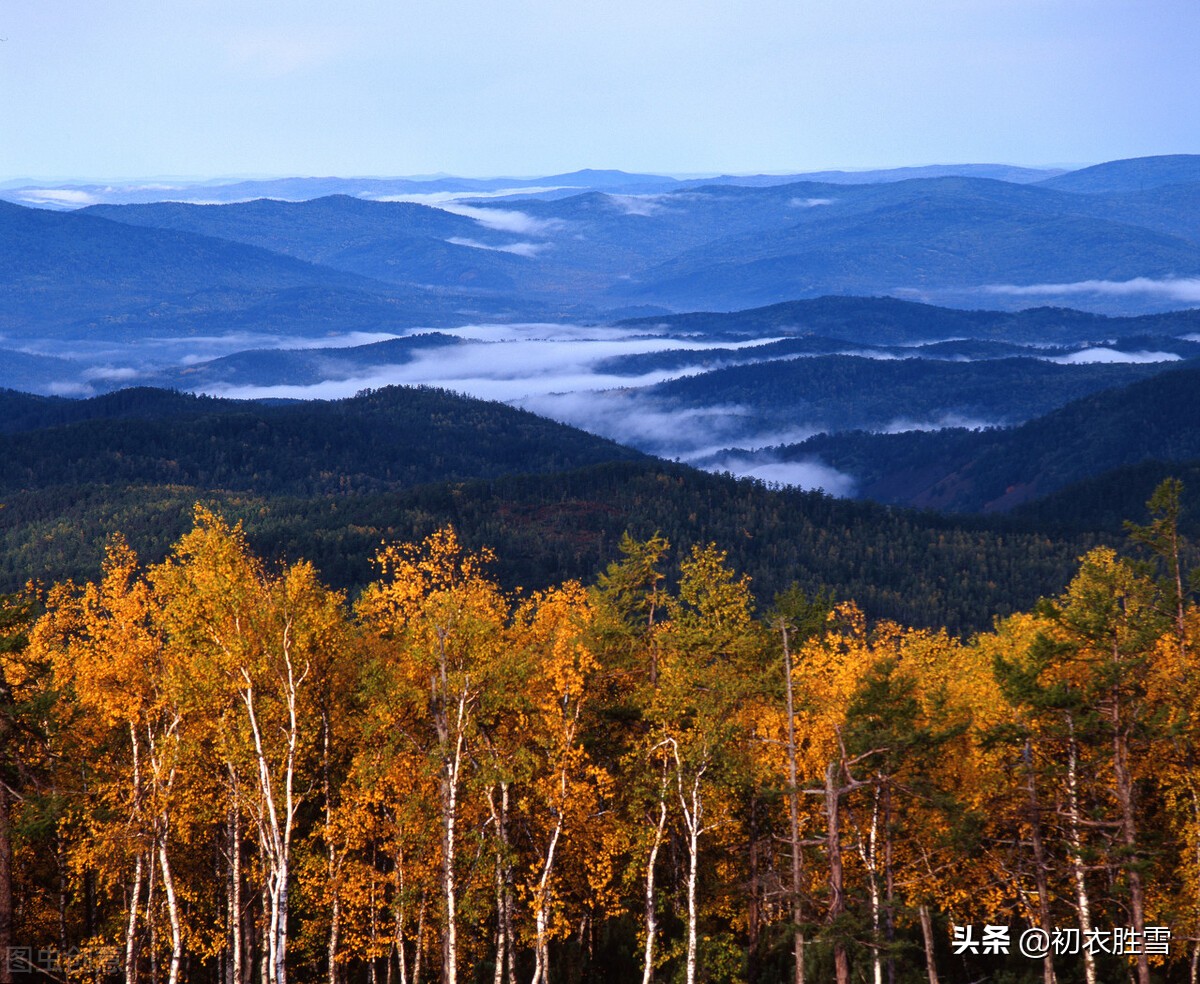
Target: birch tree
(442, 625)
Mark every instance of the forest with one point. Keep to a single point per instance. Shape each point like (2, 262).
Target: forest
(216, 768)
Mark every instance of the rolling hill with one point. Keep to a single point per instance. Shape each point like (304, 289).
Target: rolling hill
(997, 470)
(390, 438)
(1131, 174)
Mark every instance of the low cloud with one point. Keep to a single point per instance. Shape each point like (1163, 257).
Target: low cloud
(437, 198)
(510, 363)
(808, 473)
(518, 249)
(69, 388)
(57, 197)
(636, 204)
(554, 370)
(701, 436)
(641, 422)
(1185, 289)
(1092, 355)
(810, 202)
(113, 374)
(506, 220)
(879, 355)
(902, 425)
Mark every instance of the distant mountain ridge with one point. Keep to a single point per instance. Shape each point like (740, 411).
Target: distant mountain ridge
(295, 189)
(1133, 174)
(949, 236)
(890, 320)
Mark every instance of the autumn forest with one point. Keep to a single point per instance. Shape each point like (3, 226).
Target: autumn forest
(219, 771)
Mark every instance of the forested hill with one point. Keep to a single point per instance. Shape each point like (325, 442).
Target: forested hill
(921, 568)
(996, 470)
(890, 321)
(329, 481)
(394, 437)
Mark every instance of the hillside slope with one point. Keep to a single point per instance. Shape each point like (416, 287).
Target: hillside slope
(997, 470)
(388, 439)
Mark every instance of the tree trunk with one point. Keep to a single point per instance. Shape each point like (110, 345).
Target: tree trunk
(793, 815)
(331, 863)
(449, 885)
(398, 918)
(692, 806)
(693, 865)
(131, 924)
(234, 891)
(168, 881)
(889, 872)
(1082, 899)
(1137, 892)
(505, 948)
(1039, 861)
(837, 888)
(541, 971)
(266, 945)
(420, 941)
(930, 951)
(651, 901)
(868, 851)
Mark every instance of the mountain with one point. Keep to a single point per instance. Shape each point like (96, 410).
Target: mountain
(1132, 174)
(397, 242)
(998, 470)
(549, 527)
(730, 245)
(71, 274)
(390, 438)
(299, 367)
(931, 235)
(840, 392)
(1173, 209)
(341, 263)
(1104, 502)
(295, 189)
(999, 172)
(891, 321)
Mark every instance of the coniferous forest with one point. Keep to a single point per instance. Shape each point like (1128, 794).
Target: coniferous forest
(218, 769)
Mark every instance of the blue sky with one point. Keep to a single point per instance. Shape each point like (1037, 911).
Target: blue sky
(207, 88)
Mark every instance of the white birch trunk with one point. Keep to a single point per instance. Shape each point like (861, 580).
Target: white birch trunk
(1082, 900)
(451, 773)
(135, 894)
(235, 890)
(172, 909)
(793, 810)
(651, 902)
(398, 918)
(131, 926)
(692, 805)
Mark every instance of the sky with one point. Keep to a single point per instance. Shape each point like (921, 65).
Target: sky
(137, 89)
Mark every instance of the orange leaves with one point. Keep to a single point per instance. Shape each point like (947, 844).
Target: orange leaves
(457, 775)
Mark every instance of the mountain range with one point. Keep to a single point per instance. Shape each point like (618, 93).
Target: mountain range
(1118, 237)
(1000, 345)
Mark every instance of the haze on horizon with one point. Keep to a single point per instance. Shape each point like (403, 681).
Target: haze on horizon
(211, 88)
